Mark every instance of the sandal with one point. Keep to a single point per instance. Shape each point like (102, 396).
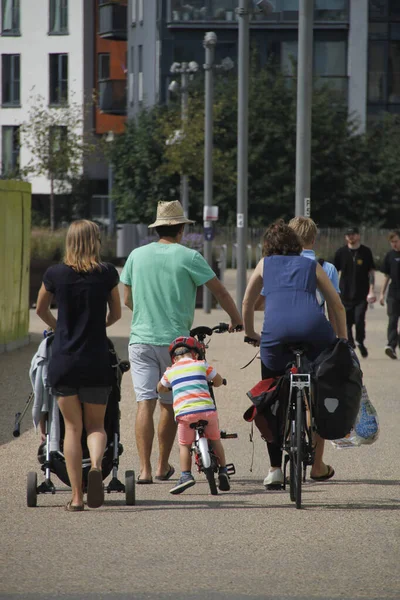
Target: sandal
(329, 473)
(95, 489)
(74, 507)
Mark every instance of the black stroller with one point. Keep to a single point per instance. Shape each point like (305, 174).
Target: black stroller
(53, 461)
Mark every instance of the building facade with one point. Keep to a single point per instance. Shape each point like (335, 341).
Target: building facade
(355, 46)
(64, 51)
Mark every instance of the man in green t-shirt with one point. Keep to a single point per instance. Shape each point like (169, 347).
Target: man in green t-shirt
(161, 281)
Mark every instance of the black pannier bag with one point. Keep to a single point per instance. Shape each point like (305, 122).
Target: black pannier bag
(337, 380)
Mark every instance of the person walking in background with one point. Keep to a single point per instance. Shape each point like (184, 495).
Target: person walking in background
(391, 270)
(80, 372)
(356, 265)
(161, 281)
(188, 378)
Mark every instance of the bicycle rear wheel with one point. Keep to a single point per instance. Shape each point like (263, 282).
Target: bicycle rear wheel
(299, 446)
(296, 451)
(211, 480)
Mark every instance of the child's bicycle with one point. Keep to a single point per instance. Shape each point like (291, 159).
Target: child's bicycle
(204, 455)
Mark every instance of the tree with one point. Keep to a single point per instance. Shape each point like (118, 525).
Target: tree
(137, 157)
(55, 141)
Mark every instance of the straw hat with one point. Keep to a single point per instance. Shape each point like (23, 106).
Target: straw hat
(170, 213)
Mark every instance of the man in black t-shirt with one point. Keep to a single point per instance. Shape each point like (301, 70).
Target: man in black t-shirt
(357, 281)
(391, 270)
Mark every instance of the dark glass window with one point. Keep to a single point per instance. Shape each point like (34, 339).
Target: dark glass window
(58, 17)
(9, 150)
(104, 66)
(394, 73)
(58, 78)
(378, 9)
(10, 64)
(377, 72)
(10, 18)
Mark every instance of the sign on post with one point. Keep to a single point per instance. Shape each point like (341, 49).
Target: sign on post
(307, 207)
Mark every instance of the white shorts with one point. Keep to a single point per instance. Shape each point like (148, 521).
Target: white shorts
(148, 365)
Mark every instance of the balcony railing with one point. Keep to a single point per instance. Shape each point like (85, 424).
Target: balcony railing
(112, 96)
(184, 11)
(113, 21)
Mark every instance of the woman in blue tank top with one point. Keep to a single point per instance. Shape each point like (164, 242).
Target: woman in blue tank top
(289, 283)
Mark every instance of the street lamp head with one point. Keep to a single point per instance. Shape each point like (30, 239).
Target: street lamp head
(175, 67)
(265, 6)
(173, 87)
(227, 64)
(210, 39)
(193, 66)
(110, 137)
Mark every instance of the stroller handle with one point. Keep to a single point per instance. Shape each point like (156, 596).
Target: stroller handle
(17, 426)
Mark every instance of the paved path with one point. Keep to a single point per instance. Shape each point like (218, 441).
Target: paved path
(246, 544)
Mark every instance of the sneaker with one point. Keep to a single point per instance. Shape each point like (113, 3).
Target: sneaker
(223, 481)
(274, 480)
(391, 352)
(363, 350)
(185, 482)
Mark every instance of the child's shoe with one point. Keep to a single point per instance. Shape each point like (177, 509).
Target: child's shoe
(186, 481)
(223, 480)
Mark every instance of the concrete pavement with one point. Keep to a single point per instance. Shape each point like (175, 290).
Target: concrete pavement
(243, 544)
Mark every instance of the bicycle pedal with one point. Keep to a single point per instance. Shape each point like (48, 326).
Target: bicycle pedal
(230, 469)
(227, 436)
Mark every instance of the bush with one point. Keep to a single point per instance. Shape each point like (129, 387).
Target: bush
(48, 245)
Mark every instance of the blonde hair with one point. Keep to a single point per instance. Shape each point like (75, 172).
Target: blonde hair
(392, 234)
(305, 228)
(82, 246)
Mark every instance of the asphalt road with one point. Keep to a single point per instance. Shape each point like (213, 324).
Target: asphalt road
(244, 544)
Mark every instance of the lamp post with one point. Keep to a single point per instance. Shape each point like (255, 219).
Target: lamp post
(304, 107)
(209, 43)
(243, 12)
(183, 69)
(111, 212)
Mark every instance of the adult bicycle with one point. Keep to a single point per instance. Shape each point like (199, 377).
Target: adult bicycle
(205, 458)
(299, 425)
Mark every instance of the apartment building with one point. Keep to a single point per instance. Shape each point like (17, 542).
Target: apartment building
(356, 46)
(63, 50)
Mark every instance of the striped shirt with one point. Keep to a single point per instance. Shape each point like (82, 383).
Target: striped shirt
(188, 379)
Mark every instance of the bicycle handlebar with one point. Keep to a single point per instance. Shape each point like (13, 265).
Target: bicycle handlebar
(252, 341)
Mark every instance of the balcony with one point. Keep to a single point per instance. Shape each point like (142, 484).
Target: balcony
(224, 11)
(113, 21)
(112, 96)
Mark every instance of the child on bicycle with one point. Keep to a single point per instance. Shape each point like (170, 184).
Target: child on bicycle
(188, 377)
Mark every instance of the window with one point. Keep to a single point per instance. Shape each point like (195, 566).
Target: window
(378, 9)
(140, 79)
(394, 73)
(140, 15)
(10, 17)
(377, 72)
(330, 10)
(58, 78)
(57, 137)
(134, 12)
(104, 67)
(9, 150)
(10, 64)
(131, 77)
(58, 17)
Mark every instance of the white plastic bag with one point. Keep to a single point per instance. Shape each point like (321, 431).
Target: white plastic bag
(366, 428)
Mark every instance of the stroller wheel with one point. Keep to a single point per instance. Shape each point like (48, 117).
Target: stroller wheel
(31, 489)
(130, 496)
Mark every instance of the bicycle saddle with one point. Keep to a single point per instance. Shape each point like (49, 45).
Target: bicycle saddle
(297, 347)
(198, 424)
(201, 330)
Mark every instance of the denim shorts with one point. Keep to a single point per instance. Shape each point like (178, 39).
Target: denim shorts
(88, 395)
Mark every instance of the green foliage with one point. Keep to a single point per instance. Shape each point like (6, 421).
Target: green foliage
(139, 180)
(355, 177)
(50, 245)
